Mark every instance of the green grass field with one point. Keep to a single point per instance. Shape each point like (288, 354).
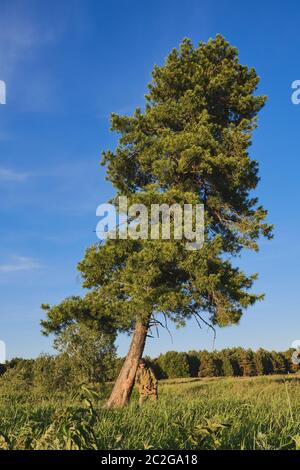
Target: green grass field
(218, 413)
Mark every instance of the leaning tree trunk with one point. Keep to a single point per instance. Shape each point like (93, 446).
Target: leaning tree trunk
(121, 392)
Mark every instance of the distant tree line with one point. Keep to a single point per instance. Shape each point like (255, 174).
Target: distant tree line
(227, 362)
(65, 371)
(49, 374)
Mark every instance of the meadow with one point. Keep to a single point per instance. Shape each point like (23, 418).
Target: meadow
(213, 413)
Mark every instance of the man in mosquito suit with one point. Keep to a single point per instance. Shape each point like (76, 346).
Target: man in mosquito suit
(146, 382)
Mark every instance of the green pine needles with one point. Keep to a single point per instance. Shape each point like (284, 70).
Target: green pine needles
(189, 144)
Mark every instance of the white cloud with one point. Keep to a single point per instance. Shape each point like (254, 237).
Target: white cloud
(19, 263)
(7, 174)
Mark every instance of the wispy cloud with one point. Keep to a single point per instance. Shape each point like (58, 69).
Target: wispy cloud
(7, 174)
(21, 35)
(19, 263)
(24, 42)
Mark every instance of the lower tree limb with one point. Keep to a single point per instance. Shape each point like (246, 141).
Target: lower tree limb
(122, 390)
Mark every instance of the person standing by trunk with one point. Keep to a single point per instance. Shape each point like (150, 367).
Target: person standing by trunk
(146, 382)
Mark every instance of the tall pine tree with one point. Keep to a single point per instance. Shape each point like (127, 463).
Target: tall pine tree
(188, 145)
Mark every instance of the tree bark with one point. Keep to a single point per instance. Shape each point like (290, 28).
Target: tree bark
(122, 390)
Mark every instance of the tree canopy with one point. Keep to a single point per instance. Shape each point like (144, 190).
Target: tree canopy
(188, 144)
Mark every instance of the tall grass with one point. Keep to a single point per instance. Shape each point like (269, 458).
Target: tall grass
(221, 413)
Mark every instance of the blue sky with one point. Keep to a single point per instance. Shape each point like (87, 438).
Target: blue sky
(67, 64)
